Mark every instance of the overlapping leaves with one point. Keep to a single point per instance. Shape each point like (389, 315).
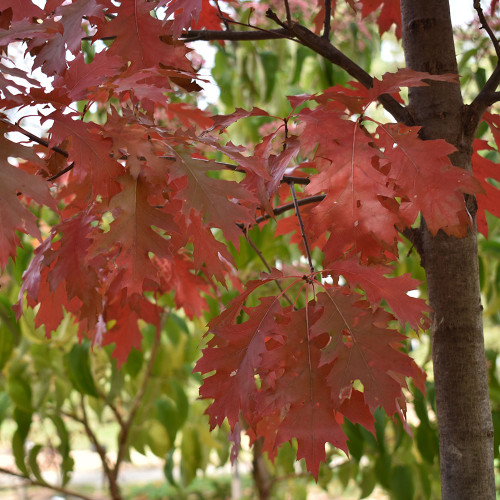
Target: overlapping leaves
(145, 210)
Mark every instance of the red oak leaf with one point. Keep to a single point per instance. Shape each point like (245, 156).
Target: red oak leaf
(131, 234)
(390, 13)
(378, 287)
(14, 184)
(423, 174)
(361, 349)
(138, 38)
(89, 150)
(212, 198)
(485, 169)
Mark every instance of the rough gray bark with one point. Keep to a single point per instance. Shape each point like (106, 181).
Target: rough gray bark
(451, 265)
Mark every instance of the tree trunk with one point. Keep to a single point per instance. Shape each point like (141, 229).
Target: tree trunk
(451, 265)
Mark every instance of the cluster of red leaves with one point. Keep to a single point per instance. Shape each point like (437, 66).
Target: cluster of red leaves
(137, 215)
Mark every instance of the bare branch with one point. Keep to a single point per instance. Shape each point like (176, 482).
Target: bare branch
(290, 206)
(34, 138)
(327, 21)
(486, 97)
(235, 36)
(486, 27)
(34, 482)
(288, 12)
(323, 47)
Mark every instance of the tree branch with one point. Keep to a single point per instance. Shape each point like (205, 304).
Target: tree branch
(486, 97)
(290, 206)
(235, 36)
(127, 424)
(109, 471)
(323, 47)
(34, 482)
(327, 21)
(486, 26)
(34, 138)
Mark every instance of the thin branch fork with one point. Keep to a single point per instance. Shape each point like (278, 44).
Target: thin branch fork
(319, 44)
(487, 27)
(34, 482)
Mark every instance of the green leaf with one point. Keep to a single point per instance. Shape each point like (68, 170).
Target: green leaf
(480, 76)
(270, 63)
(23, 421)
(169, 416)
(383, 470)
(33, 463)
(5, 403)
(134, 363)
(355, 440)
(64, 448)
(427, 442)
(77, 366)
(425, 481)
(168, 468)
(158, 438)
(380, 423)
(20, 393)
(191, 455)
(402, 485)
(368, 481)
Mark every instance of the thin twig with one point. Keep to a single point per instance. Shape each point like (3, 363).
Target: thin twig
(302, 229)
(266, 264)
(34, 482)
(288, 13)
(486, 26)
(482, 101)
(112, 407)
(327, 21)
(61, 172)
(221, 15)
(289, 206)
(125, 428)
(34, 138)
(101, 451)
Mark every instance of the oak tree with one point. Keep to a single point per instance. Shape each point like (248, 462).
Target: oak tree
(149, 194)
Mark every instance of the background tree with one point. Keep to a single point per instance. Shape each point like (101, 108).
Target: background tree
(150, 197)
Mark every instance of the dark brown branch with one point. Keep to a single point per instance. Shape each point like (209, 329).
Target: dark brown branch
(486, 27)
(288, 13)
(34, 138)
(235, 36)
(492, 98)
(290, 206)
(486, 97)
(324, 48)
(34, 482)
(327, 21)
